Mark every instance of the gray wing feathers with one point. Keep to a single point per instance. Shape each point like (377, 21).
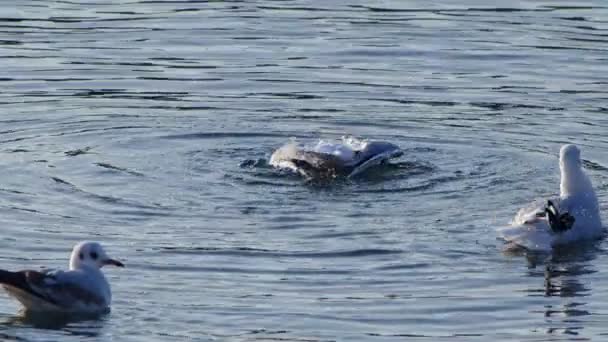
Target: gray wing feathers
(57, 288)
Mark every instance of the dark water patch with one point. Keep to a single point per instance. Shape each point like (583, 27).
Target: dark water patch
(294, 8)
(16, 192)
(503, 106)
(144, 65)
(38, 212)
(560, 47)
(293, 96)
(61, 181)
(113, 94)
(170, 108)
(172, 58)
(121, 169)
(402, 189)
(118, 12)
(232, 269)
(78, 151)
(509, 87)
(350, 233)
(136, 215)
(159, 78)
(103, 129)
(506, 9)
(572, 8)
(312, 110)
(418, 149)
(423, 102)
(254, 163)
(402, 266)
(393, 171)
(594, 165)
(67, 79)
(176, 66)
(336, 83)
(144, 209)
(232, 135)
(304, 117)
(260, 182)
(573, 18)
(447, 10)
(590, 28)
(253, 252)
(12, 19)
(578, 91)
(588, 40)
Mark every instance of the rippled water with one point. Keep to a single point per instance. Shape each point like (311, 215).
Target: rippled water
(146, 125)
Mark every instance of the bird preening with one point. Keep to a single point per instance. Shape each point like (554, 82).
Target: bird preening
(327, 160)
(572, 216)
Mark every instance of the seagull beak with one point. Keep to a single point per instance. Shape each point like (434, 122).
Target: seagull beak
(113, 262)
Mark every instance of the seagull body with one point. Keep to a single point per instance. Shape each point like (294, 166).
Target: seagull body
(330, 159)
(532, 228)
(83, 288)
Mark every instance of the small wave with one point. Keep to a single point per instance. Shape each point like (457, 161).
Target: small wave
(254, 252)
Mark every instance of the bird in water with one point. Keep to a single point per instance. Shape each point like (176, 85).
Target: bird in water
(328, 160)
(571, 217)
(81, 289)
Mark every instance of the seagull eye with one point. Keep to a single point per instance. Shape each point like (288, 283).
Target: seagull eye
(94, 255)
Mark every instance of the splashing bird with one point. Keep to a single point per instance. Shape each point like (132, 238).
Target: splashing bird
(327, 160)
(571, 217)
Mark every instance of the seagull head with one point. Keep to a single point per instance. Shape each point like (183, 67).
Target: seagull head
(91, 254)
(569, 157)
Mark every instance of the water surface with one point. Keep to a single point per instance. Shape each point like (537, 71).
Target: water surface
(146, 125)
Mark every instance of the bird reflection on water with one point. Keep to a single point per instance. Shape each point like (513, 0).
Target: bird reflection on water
(90, 325)
(563, 285)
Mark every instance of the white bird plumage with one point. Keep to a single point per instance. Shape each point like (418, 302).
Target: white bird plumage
(577, 198)
(82, 288)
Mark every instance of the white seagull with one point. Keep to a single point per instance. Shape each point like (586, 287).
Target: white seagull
(81, 289)
(574, 216)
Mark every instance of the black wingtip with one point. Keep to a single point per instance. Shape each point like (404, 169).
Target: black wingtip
(559, 223)
(15, 279)
(21, 280)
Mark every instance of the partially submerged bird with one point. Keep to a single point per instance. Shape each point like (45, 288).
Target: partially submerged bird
(81, 289)
(327, 160)
(573, 216)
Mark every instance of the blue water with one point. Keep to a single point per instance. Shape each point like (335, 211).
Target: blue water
(147, 126)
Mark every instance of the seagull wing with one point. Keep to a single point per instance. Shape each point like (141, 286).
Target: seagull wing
(64, 290)
(530, 228)
(317, 165)
(374, 160)
(535, 212)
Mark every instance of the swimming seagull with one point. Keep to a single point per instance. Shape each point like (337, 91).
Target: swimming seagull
(81, 289)
(573, 216)
(327, 159)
